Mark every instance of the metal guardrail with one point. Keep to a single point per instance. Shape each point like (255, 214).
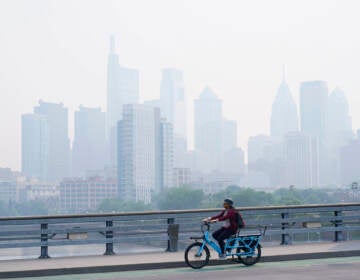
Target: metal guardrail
(171, 226)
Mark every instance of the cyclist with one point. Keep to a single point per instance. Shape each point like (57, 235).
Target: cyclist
(230, 219)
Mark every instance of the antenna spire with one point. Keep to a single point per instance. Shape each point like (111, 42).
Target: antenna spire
(283, 73)
(112, 44)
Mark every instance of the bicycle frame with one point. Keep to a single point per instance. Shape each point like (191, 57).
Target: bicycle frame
(207, 240)
(247, 243)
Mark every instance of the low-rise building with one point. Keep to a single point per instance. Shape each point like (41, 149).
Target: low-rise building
(85, 194)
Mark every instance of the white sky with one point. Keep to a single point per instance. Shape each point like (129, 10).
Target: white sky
(57, 51)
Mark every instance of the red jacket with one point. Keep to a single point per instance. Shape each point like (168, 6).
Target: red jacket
(231, 215)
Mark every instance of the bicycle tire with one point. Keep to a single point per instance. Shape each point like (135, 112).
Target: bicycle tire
(250, 260)
(197, 264)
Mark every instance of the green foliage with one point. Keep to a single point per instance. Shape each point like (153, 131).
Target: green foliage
(118, 205)
(188, 198)
(27, 208)
(180, 198)
(293, 196)
(244, 197)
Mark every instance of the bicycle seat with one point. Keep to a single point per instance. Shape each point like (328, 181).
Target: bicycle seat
(249, 235)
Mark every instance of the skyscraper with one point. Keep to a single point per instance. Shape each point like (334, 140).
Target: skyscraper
(122, 88)
(314, 108)
(302, 160)
(172, 98)
(234, 161)
(89, 147)
(258, 147)
(214, 136)
(338, 114)
(35, 146)
(350, 161)
(229, 135)
(166, 155)
(59, 143)
(207, 120)
(339, 134)
(144, 153)
(173, 108)
(284, 116)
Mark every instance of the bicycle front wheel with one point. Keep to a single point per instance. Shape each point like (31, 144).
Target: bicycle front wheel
(194, 259)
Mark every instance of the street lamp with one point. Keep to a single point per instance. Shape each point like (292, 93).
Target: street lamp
(354, 188)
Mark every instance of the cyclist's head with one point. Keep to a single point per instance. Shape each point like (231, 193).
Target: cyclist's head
(228, 203)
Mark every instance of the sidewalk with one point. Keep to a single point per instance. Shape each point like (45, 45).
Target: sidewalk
(99, 264)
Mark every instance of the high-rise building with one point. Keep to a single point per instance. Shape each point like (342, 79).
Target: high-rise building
(350, 161)
(229, 135)
(89, 147)
(284, 117)
(144, 153)
(302, 159)
(314, 120)
(173, 108)
(35, 146)
(339, 134)
(122, 88)
(258, 147)
(59, 143)
(166, 155)
(182, 177)
(234, 161)
(172, 98)
(314, 108)
(338, 114)
(214, 136)
(207, 117)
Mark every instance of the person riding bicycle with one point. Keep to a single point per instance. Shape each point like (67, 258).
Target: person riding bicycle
(230, 218)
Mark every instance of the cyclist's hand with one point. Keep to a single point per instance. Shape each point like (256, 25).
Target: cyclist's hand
(206, 220)
(214, 221)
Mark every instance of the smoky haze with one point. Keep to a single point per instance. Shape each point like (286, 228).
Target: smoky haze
(57, 51)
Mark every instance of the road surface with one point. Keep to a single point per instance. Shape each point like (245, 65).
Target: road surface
(337, 268)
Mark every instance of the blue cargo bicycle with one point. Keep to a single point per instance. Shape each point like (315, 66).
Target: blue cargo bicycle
(244, 249)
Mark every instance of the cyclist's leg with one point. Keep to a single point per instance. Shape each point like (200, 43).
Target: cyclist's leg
(217, 233)
(225, 234)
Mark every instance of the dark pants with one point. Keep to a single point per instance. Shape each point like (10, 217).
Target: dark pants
(221, 234)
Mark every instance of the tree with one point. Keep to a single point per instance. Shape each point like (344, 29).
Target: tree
(119, 205)
(180, 198)
(243, 197)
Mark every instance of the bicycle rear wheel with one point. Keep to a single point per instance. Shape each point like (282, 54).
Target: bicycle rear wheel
(194, 260)
(250, 260)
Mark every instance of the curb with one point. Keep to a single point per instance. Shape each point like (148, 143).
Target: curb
(165, 265)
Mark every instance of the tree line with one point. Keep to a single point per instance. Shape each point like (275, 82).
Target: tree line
(188, 198)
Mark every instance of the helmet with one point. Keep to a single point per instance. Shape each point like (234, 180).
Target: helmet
(228, 201)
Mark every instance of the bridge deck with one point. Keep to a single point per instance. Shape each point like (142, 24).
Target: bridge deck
(92, 264)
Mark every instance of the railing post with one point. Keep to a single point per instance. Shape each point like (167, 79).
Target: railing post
(173, 234)
(338, 223)
(109, 238)
(285, 237)
(44, 254)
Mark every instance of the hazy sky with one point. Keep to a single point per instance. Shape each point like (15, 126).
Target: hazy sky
(57, 51)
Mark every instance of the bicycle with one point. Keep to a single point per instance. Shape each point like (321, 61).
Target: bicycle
(245, 249)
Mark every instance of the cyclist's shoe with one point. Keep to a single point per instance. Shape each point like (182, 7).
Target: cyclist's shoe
(222, 256)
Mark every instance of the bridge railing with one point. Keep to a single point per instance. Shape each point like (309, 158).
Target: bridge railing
(174, 227)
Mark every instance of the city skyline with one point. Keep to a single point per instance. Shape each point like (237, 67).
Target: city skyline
(54, 65)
